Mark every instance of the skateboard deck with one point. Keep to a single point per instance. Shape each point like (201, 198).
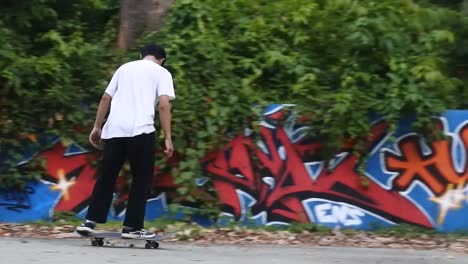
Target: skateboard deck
(97, 239)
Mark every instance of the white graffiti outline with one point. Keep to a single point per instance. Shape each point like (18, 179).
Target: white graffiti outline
(457, 141)
(245, 207)
(267, 125)
(78, 152)
(277, 223)
(314, 175)
(162, 197)
(276, 109)
(415, 203)
(294, 137)
(395, 151)
(57, 200)
(37, 153)
(262, 216)
(263, 147)
(338, 159)
(308, 209)
(311, 215)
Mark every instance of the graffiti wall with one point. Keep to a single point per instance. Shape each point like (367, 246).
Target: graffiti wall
(277, 178)
(71, 174)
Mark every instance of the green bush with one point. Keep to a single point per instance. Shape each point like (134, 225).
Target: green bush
(340, 61)
(55, 58)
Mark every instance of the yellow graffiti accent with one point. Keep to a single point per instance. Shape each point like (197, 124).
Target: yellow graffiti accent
(452, 199)
(63, 184)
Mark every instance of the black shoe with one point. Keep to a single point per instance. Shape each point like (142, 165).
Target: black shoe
(128, 232)
(86, 228)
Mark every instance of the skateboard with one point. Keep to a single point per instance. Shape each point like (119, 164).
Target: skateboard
(97, 239)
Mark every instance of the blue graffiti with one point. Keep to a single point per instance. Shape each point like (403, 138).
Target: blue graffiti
(35, 202)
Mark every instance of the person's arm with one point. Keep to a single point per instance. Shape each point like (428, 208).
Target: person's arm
(165, 115)
(165, 119)
(103, 108)
(165, 93)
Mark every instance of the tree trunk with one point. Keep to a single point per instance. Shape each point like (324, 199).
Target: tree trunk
(138, 16)
(464, 7)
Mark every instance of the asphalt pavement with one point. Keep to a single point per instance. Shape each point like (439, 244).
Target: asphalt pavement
(79, 251)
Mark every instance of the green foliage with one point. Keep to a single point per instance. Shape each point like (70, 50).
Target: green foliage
(65, 216)
(308, 227)
(406, 230)
(340, 61)
(54, 58)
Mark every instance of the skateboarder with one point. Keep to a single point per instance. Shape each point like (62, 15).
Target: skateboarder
(134, 91)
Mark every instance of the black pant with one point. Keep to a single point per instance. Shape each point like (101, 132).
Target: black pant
(140, 152)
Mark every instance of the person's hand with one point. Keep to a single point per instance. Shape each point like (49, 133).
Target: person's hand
(169, 148)
(95, 137)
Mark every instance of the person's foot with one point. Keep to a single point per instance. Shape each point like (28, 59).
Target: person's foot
(128, 232)
(86, 228)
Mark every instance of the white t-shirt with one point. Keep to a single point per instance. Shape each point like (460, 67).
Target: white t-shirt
(135, 89)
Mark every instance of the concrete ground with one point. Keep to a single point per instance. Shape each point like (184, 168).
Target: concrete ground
(79, 251)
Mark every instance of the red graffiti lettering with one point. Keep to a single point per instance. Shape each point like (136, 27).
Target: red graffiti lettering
(73, 175)
(276, 177)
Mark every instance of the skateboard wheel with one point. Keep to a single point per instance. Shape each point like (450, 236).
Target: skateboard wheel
(155, 244)
(100, 243)
(148, 245)
(94, 243)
